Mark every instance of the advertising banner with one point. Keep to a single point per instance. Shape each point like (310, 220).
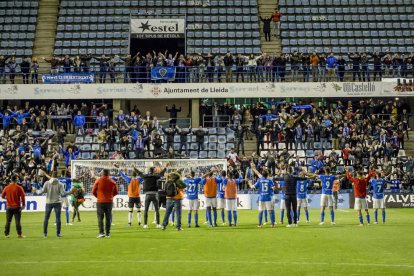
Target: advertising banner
(392, 200)
(68, 78)
(145, 28)
(194, 90)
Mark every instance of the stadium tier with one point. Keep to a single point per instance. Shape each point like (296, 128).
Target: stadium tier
(102, 27)
(17, 27)
(343, 26)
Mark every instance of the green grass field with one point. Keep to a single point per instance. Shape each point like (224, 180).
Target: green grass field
(310, 249)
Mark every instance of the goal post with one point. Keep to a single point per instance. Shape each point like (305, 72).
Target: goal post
(88, 170)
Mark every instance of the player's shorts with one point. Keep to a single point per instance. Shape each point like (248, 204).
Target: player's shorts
(282, 204)
(378, 203)
(134, 201)
(65, 202)
(326, 200)
(302, 202)
(231, 204)
(266, 205)
(221, 203)
(211, 202)
(193, 204)
(360, 204)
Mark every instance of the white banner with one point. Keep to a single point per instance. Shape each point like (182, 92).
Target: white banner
(198, 90)
(400, 86)
(158, 28)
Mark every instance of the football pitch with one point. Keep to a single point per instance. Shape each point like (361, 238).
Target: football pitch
(310, 249)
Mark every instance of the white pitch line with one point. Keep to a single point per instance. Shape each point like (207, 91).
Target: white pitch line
(208, 261)
(341, 210)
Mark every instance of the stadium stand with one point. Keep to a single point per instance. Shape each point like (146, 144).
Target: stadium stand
(17, 27)
(343, 26)
(103, 26)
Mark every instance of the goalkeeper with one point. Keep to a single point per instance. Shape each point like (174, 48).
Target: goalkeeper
(150, 189)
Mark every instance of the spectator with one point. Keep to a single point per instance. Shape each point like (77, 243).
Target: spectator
(276, 15)
(240, 62)
(103, 67)
(54, 64)
(356, 61)
(377, 57)
(228, 63)
(25, 69)
(341, 68)
(322, 68)
(35, 71)
(67, 64)
(200, 134)
(314, 62)
(331, 63)
(266, 27)
(365, 58)
(79, 123)
(3, 64)
(173, 114)
(12, 65)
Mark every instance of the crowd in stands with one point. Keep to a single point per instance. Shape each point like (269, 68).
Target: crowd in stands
(364, 134)
(267, 67)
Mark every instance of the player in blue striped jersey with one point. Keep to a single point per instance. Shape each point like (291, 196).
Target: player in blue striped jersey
(301, 194)
(265, 186)
(327, 194)
(378, 186)
(192, 189)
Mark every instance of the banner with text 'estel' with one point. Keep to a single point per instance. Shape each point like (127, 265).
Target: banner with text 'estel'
(145, 28)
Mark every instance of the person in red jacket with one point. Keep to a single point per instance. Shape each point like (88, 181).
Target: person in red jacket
(276, 15)
(360, 184)
(15, 202)
(104, 189)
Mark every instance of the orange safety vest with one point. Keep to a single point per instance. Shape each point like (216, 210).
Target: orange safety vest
(210, 188)
(335, 187)
(134, 188)
(230, 191)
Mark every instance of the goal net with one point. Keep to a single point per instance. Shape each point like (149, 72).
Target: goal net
(88, 170)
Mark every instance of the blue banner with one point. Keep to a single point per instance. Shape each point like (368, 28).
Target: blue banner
(163, 73)
(300, 107)
(69, 78)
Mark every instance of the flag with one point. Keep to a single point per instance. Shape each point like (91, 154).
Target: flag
(163, 73)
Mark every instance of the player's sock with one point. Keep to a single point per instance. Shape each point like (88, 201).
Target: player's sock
(222, 216)
(282, 214)
(129, 217)
(208, 214)
(332, 216)
(196, 218)
(139, 217)
(322, 216)
(229, 217)
(189, 218)
(215, 216)
(368, 219)
(307, 215)
(376, 215)
(265, 215)
(361, 220)
(67, 214)
(272, 217)
(383, 216)
(260, 217)
(298, 214)
(235, 217)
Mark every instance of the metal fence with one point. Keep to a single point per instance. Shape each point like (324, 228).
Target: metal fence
(191, 74)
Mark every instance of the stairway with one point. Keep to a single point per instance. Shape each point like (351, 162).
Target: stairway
(46, 31)
(266, 8)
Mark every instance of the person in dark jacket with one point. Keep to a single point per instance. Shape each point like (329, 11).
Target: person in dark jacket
(290, 195)
(266, 27)
(228, 63)
(25, 69)
(200, 134)
(341, 68)
(183, 132)
(169, 134)
(103, 67)
(356, 62)
(173, 114)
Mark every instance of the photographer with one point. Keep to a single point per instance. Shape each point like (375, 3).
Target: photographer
(174, 188)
